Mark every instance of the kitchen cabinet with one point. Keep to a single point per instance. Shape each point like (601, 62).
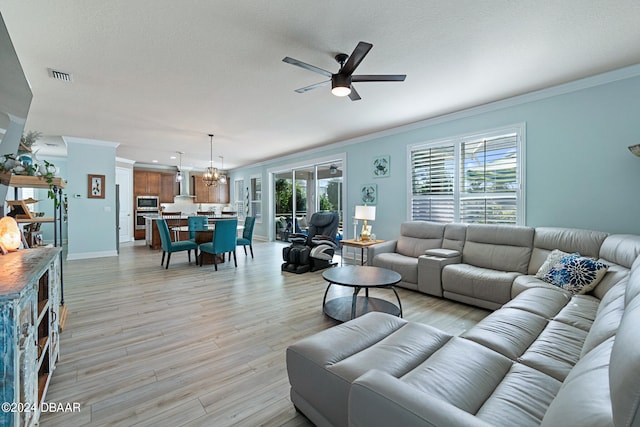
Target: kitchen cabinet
(200, 189)
(153, 183)
(146, 183)
(29, 331)
(168, 187)
(149, 183)
(205, 194)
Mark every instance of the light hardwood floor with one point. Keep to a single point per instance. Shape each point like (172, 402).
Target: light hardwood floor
(189, 346)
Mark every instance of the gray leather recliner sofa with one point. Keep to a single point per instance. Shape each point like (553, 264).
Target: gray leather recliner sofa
(482, 265)
(546, 357)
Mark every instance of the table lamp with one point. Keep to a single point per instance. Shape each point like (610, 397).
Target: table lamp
(366, 213)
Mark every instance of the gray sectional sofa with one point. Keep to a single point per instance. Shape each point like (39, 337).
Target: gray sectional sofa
(485, 265)
(544, 357)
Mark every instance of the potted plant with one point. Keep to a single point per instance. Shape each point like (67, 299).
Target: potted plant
(23, 163)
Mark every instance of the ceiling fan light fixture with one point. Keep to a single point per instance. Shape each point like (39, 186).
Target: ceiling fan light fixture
(341, 81)
(340, 85)
(341, 90)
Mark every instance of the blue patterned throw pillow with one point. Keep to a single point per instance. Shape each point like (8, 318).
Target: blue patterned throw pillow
(552, 259)
(576, 274)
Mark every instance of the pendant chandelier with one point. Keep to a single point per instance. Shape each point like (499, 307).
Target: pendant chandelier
(211, 175)
(179, 176)
(223, 177)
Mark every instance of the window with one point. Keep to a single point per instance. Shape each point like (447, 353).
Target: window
(238, 194)
(472, 179)
(255, 195)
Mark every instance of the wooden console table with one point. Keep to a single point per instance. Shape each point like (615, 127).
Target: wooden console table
(30, 315)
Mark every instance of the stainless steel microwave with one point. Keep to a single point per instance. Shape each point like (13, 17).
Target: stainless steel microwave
(147, 203)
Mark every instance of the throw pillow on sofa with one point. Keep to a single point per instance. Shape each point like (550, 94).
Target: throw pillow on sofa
(552, 259)
(576, 274)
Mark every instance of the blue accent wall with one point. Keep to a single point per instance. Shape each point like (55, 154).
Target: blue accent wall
(579, 172)
(92, 222)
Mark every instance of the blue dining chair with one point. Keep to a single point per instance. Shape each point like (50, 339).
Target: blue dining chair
(247, 234)
(224, 240)
(196, 223)
(168, 247)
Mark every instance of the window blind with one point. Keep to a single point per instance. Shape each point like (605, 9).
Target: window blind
(472, 180)
(432, 183)
(255, 204)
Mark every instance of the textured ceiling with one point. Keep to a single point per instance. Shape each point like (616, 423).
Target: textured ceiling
(157, 76)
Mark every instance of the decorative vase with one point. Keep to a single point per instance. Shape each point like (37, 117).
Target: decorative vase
(27, 163)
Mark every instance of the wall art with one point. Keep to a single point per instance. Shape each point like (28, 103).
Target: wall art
(96, 187)
(369, 194)
(381, 166)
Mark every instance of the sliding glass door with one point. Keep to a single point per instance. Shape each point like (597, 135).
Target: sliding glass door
(283, 200)
(329, 187)
(300, 192)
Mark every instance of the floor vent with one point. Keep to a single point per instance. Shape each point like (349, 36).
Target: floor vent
(60, 75)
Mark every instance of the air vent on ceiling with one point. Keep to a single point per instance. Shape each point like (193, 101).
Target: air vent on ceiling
(60, 75)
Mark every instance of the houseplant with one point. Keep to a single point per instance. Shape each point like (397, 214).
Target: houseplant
(23, 163)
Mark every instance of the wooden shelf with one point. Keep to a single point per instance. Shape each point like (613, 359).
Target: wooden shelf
(63, 316)
(34, 181)
(40, 219)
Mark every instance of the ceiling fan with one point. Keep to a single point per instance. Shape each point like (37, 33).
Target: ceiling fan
(341, 81)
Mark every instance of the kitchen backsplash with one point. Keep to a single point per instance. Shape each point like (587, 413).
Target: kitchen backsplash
(188, 207)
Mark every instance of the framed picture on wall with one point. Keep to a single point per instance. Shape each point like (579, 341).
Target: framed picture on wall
(96, 187)
(381, 166)
(369, 194)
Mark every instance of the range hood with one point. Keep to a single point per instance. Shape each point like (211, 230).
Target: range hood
(183, 189)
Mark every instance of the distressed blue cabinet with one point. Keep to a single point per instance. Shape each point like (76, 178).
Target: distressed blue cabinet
(29, 331)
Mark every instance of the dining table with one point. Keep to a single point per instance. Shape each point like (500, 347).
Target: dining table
(203, 236)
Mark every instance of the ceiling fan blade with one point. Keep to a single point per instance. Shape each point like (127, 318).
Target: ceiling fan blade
(379, 78)
(356, 58)
(307, 66)
(354, 95)
(313, 86)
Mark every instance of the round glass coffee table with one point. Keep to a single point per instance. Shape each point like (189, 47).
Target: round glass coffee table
(360, 277)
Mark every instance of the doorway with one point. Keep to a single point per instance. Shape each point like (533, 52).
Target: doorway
(124, 181)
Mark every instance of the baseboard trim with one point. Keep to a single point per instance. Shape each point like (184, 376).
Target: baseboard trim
(87, 255)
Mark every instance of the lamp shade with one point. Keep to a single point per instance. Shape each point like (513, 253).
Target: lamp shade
(10, 237)
(365, 212)
(635, 149)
